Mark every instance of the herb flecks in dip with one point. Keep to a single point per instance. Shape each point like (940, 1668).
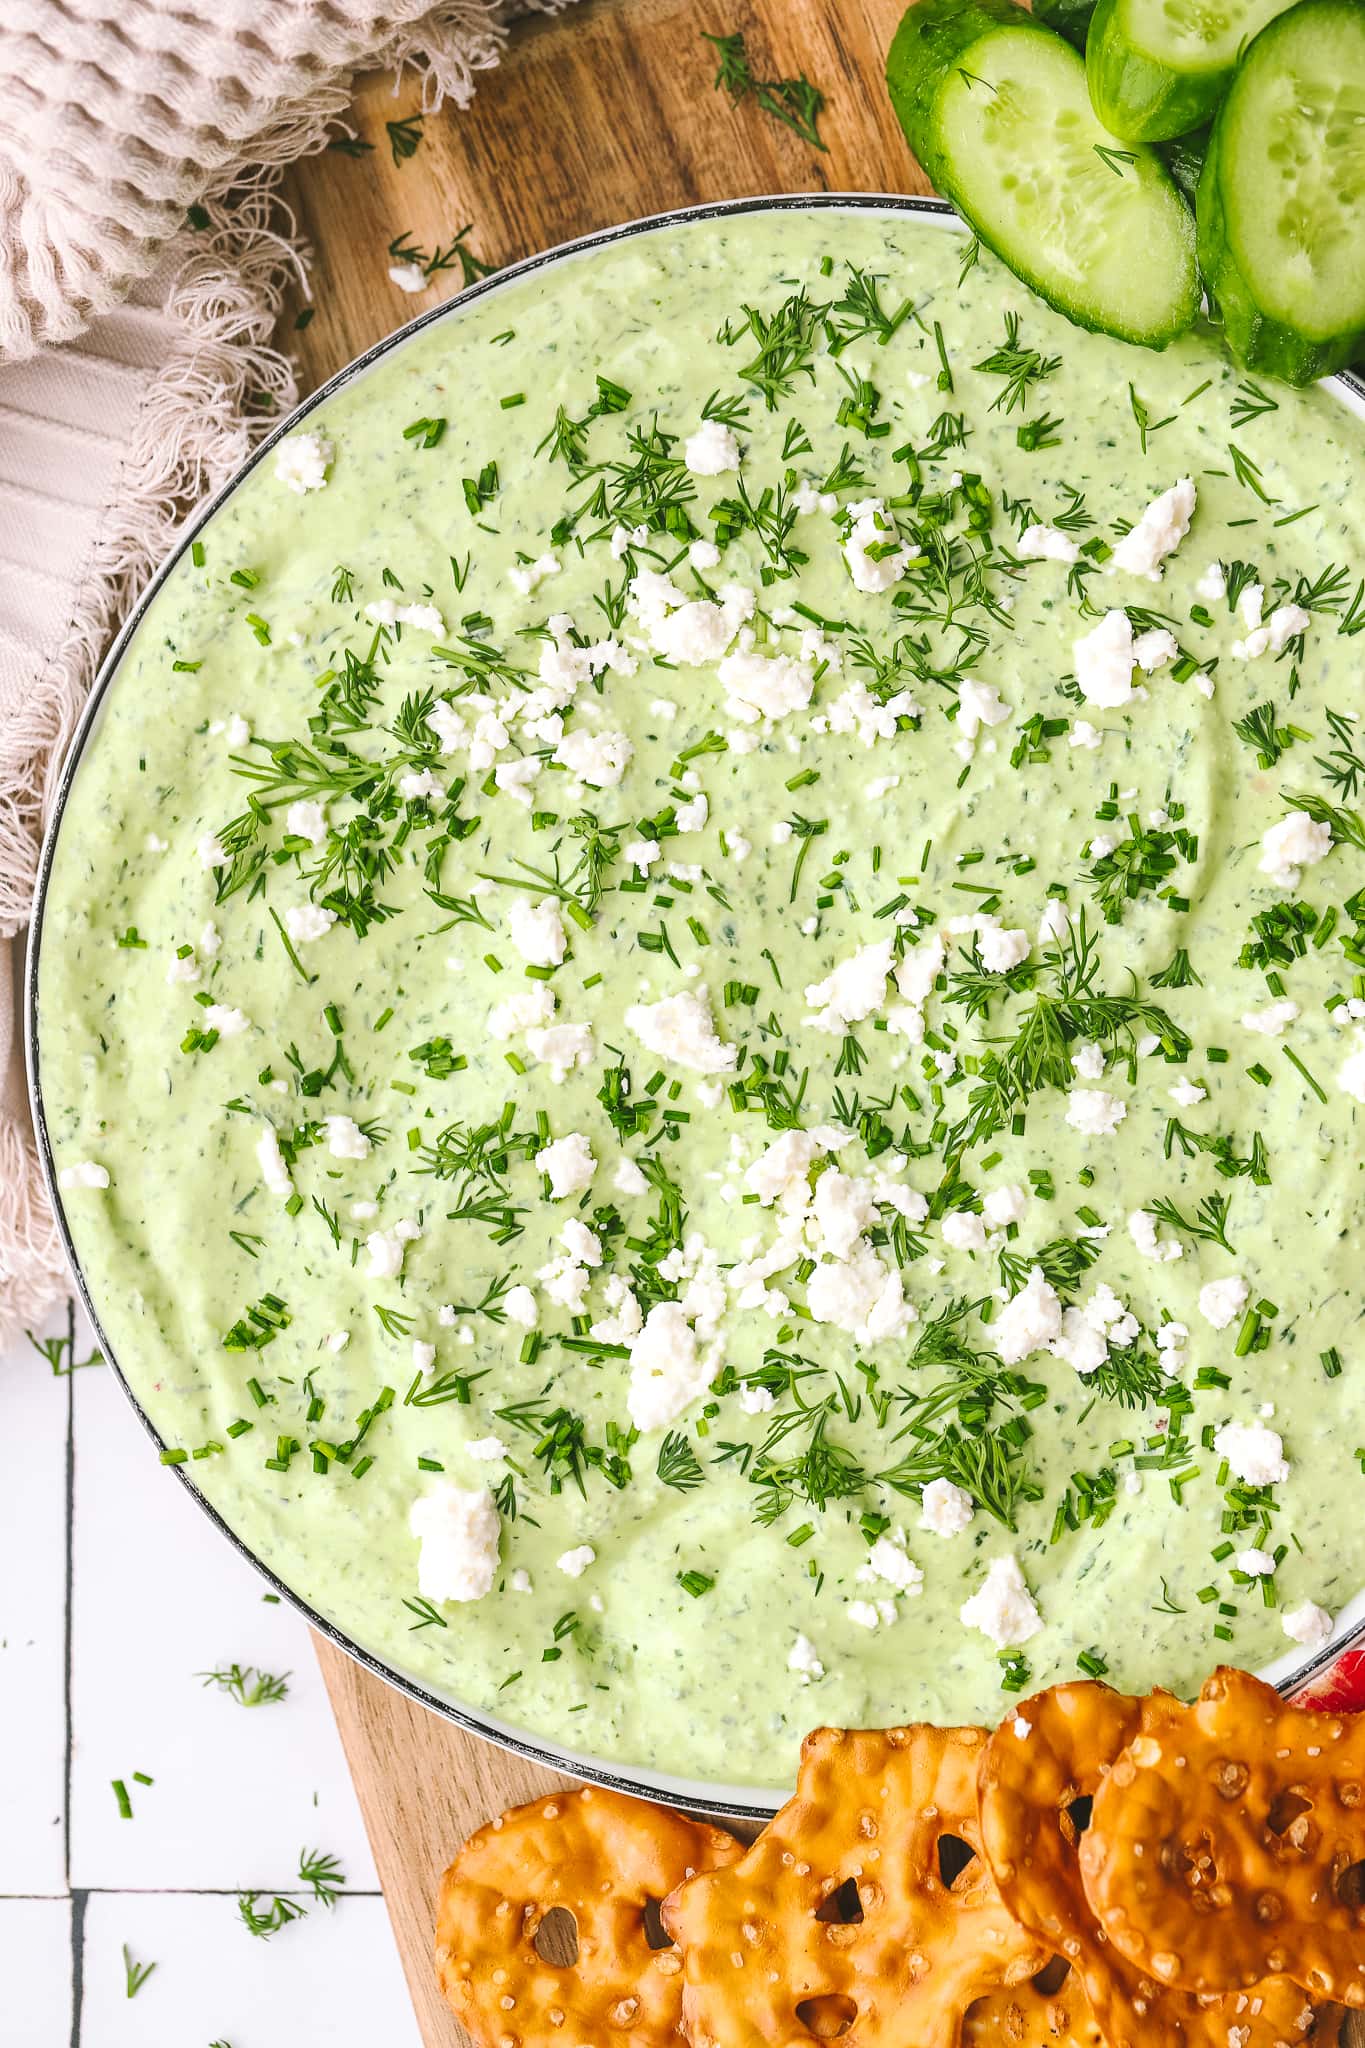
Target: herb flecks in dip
(713, 949)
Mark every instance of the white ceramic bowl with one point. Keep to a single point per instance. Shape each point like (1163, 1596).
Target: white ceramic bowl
(732, 1801)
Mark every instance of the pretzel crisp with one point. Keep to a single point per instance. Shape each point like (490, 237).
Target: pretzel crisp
(838, 1920)
(1027, 2017)
(1227, 1847)
(603, 1858)
(1054, 1751)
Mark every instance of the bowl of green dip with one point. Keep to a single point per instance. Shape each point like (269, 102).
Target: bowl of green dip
(698, 1001)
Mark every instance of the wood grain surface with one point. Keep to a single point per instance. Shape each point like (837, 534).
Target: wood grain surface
(599, 115)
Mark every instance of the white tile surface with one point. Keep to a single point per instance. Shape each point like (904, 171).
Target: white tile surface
(35, 1970)
(158, 1598)
(331, 1978)
(33, 1429)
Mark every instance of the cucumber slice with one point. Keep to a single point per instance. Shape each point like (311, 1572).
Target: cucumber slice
(1157, 68)
(995, 107)
(1281, 203)
(1070, 18)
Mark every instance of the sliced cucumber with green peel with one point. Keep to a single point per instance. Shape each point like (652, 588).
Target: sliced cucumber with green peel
(1157, 68)
(1070, 18)
(996, 109)
(1281, 202)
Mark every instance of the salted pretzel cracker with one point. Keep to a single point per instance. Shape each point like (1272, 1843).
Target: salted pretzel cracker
(603, 1858)
(1227, 1846)
(838, 1919)
(1054, 1750)
(1026, 2017)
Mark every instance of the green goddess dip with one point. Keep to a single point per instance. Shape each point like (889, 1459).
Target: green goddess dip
(699, 1001)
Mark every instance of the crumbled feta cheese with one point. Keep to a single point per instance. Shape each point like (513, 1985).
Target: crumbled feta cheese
(409, 277)
(537, 931)
(599, 759)
(1212, 585)
(306, 820)
(459, 1533)
(1084, 734)
(573, 1563)
(1272, 1021)
(1222, 1301)
(1257, 1564)
(581, 1243)
(964, 1232)
(305, 922)
(424, 618)
(1001, 949)
(623, 539)
(562, 1048)
(1351, 1072)
(681, 1028)
(526, 1010)
(423, 1355)
(691, 816)
(871, 1613)
(711, 450)
(1187, 1093)
(1028, 1322)
(1157, 534)
(386, 1249)
(701, 554)
(520, 1305)
(1253, 1452)
(1142, 1230)
(1003, 1609)
(1309, 1624)
(1156, 649)
(527, 577)
(345, 1139)
(803, 1660)
(667, 1371)
(1046, 544)
(301, 462)
(1094, 1112)
(1004, 1205)
(887, 1561)
(759, 686)
(873, 527)
(211, 851)
(757, 1400)
(416, 784)
(842, 1208)
(225, 1020)
(270, 1159)
(1284, 623)
(84, 1173)
(338, 1340)
(978, 704)
(628, 1178)
(861, 1295)
(945, 1509)
(1297, 842)
(570, 1165)
(1104, 662)
(853, 989)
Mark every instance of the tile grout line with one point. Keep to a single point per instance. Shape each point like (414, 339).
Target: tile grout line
(78, 1905)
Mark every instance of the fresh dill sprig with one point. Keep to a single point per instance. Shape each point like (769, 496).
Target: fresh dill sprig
(247, 1685)
(795, 102)
(1021, 368)
(278, 1914)
(322, 1874)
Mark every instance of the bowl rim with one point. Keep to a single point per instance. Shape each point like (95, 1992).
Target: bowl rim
(694, 1795)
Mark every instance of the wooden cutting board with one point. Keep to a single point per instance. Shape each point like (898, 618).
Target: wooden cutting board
(596, 116)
